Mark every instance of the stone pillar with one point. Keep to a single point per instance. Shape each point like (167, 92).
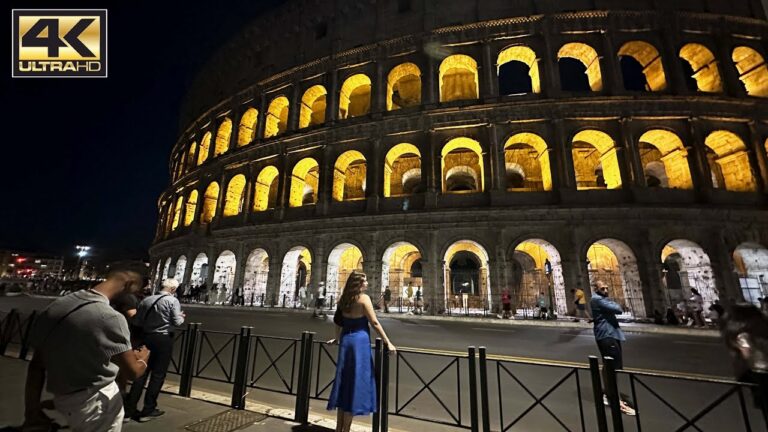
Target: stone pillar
(613, 82)
(732, 85)
(721, 261)
(431, 263)
(670, 60)
(212, 257)
(199, 206)
(283, 186)
(379, 91)
(430, 90)
(760, 152)
(698, 161)
(374, 176)
(185, 278)
(234, 113)
(261, 119)
(248, 195)
(497, 166)
(325, 183)
(489, 87)
(431, 162)
(549, 70)
(319, 268)
(332, 98)
(220, 201)
(274, 277)
(212, 128)
(294, 108)
(632, 151)
(563, 160)
(241, 257)
(650, 268)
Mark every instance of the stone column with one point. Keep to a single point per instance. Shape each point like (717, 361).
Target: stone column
(432, 278)
(489, 88)
(261, 119)
(497, 167)
(332, 98)
(650, 268)
(241, 260)
(211, 252)
(325, 183)
(721, 262)
(732, 85)
(613, 82)
(234, 114)
(248, 195)
(761, 157)
(549, 70)
(563, 161)
(430, 90)
(700, 172)
(274, 277)
(431, 161)
(283, 186)
(222, 197)
(379, 91)
(185, 278)
(294, 108)
(319, 268)
(374, 176)
(670, 60)
(632, 151)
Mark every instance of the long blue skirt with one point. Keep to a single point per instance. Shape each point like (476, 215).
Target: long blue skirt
(354, 390)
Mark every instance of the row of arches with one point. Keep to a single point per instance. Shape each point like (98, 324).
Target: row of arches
(663, 157)
(534, 269)
(517, 72)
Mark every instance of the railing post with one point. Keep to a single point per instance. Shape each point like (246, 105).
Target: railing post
(384, 402)
(472, 388)
(304, 387)
(299, 403)
(486, 416)
(25, 337)
(241, 368)
(612, 390)
(377, 373)
(762, 382)
(7, 335)
(188, 360)
(597, 393)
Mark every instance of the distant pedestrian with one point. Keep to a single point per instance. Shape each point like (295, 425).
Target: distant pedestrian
(386, 298)
(80, 343)
(543, 306)
(419, 301)
(158, 316)
(609, 336)
(320, 301)
(716, 312)
(580, 301)
(302, 297)
(506, 304)
(696, 307)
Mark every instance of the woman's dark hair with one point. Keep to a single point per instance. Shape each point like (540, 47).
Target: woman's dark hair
(352, 290)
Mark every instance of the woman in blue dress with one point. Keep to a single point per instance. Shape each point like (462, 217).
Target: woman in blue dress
(354, 390)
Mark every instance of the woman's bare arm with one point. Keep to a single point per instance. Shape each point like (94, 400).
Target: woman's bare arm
(371, 315)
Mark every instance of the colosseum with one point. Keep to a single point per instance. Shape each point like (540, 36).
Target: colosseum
(467, 147)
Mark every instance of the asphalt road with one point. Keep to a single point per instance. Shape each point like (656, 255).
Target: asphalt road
(447, 394)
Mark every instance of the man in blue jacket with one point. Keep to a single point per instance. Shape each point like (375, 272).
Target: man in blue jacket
(608, 334)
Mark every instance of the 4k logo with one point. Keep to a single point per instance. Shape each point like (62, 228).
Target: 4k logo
(55, 43)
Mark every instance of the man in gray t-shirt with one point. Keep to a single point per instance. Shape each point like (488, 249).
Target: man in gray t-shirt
(81, 343)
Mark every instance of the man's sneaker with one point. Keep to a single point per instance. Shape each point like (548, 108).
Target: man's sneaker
(145, 417)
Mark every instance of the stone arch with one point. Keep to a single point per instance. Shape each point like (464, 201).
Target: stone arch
(397, 263)
(343, 259)
(686, 265)
(233, 199)
(349, 174)
(403, 86)
(177, 212)
(753, 71)
(224, 276)
(518, 70)
(296, 271)
(665, 147)
(313, 104)
(400, 160)
(277, 117)
(304, 181)
(542, 272)
(167, 269)
(199, 270)
(191, 208)
(181, 267)
(595, 161)
(191, 156)
(255, 277)
(458, 78)
(355, 96)
(729, 162)
(701, 67)
(613, 262)
(529, 152)
(222, 137)
(641, 67)
(247, 130)
(587, 56)
(205, 148)
(265, 190)
(464, 152)
(210, 202)
(467, 282)
(750, 261)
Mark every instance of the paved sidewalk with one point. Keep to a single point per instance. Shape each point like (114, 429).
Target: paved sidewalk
(180, 412)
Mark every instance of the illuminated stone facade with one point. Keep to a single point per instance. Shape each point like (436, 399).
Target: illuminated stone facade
(536, 147)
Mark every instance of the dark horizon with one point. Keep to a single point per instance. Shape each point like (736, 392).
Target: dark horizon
(88, 158)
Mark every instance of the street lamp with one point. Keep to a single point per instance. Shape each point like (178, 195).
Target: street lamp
(82, 252)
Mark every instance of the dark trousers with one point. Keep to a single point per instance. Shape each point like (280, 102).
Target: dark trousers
(610, 347)
(161, 349)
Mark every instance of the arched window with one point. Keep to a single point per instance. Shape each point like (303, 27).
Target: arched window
(595, 161)
(402, 170)
(702, 69)
(177, 213)
(641, 67)
(355, 97)
(312, 107)
(518, 71)
(458, 78)
(753, 72)
(349, 176)
(527, 161)
(731, 161)
(462, 166)
(210, 201)
(191, 208)
(191, 156)
(403, 86)
(304, 181)
(222, 137)
(665, 160)
(579, 68)
(205, 148)
(233, 200)
(277, 117)
(247, 131)
(265, 193)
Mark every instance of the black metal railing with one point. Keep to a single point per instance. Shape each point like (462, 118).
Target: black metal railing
(273, 364)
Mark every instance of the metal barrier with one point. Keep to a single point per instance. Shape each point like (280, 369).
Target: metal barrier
(15, 330)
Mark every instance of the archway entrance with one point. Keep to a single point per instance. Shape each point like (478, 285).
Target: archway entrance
(255, 280)
(199, 270)
(296, 273)
(343, 260)
(166, 269)
(685, 265)
(750, 260)
(614, 263)
(537, 270)
(181, 267)
(224, 277)
(401, 270)
(466, 278)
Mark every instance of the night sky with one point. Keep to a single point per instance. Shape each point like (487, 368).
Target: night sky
(84, 160)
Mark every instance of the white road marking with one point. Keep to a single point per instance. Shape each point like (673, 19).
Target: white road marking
(493, 329)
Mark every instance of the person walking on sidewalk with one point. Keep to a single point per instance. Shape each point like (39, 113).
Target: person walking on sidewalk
(580, 300)
(80, 343)
(608, 335)
(158, 315)
(354, 389)
(320, 302)
(506, 304)
(386, 298)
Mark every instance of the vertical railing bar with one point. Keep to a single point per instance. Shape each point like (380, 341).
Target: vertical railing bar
(581, 404)
(597, 393)
(397, 382)
(743, 406)
(293, 366)
(377, 377)
(637, 405)
(298, 412)
(486, 419)
(501, 404)
(384, 423)
(614, 398)
(319, 366)
(472, 389)
(458, 384)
